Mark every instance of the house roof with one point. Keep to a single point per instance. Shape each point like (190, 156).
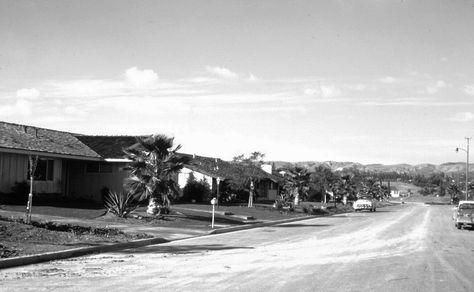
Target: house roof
(236, 172)
(108, 146)
(24, 138)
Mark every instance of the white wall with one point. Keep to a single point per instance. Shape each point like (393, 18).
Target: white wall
(184, 175)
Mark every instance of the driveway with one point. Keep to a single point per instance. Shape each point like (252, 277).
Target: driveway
(410, 247)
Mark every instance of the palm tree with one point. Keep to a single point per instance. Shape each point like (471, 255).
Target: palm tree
(296, 185)
(154, 162)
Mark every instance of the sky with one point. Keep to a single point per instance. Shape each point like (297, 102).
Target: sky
(364, 81)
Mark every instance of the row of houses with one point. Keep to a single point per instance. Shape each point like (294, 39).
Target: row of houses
(80, 166)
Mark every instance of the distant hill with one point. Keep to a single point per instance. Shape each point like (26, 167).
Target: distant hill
(424, 169)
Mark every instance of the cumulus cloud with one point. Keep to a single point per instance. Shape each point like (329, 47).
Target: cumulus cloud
(221, 72)
(469, 89)
(463, 117)
(326, 91)
(30, 93)
(141, 78)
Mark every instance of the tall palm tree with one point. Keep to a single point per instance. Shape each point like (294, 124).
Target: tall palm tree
(154, 162)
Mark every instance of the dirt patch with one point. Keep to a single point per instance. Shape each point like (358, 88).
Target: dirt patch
(19, 239)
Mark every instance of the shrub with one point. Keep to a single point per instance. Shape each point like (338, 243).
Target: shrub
(319, 211)
(120, 204)
(21, 188)
(277, 205)
(198, 191)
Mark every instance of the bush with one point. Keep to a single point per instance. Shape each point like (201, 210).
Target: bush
(318, 211)
(21, 189)
(198, 191)
(120, 204)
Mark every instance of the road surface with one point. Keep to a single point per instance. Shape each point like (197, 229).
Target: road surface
(411, 247)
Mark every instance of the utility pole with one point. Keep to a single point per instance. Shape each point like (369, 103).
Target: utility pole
(467, 163)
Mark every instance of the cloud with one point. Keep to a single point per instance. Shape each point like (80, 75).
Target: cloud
(29, 93)
(141, 78)
(357, 87)
(463, 117)
(252, 78)
(20, 107)
(325, 91)
(388, 79)
(432, 89)
(469, 89)
(221, 72)
(74, 111)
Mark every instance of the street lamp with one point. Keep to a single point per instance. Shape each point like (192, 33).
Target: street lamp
(467, 161)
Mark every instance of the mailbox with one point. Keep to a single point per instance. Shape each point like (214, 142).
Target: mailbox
(214, 201)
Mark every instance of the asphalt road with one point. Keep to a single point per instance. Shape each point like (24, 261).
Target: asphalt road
(410, 247)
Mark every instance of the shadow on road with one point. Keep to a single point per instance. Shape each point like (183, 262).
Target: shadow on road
(302, 225)
(217, 219)
(181, 249)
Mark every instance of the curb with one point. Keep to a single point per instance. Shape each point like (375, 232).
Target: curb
(76, 252)
(257, 225)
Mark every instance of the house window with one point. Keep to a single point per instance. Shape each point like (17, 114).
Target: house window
(98, 167)
(44, 169)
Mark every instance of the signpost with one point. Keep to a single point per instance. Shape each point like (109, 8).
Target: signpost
(213, 203)
(250, 205)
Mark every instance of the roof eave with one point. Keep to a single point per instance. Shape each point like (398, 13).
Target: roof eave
(49, 154)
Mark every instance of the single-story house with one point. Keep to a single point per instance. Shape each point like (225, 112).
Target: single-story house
(212, 170)
(58, 152)
(81, 166)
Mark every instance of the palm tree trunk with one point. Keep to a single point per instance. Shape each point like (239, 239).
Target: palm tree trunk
(153, 206)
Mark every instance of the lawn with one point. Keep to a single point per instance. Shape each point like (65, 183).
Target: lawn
(69, 211)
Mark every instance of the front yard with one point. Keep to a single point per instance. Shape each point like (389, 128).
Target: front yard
(96, 227)
(19, 239)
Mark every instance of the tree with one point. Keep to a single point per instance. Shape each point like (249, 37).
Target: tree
(372, 188)
(345, 186)
(296, 184)
(196, 191)
(454, 190)
(32, 163)
(154, 162)
(253, 162)
(321, 181)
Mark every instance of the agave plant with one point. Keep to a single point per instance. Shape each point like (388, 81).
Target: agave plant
(120, 204)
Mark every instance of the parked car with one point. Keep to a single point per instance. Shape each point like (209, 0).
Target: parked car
(464, 214)
(364, 203)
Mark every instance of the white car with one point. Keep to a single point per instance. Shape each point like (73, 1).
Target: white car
(464, 214)
(364, 203)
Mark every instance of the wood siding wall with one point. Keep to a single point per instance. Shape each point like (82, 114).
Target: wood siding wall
(89, 185)
(14, 168)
